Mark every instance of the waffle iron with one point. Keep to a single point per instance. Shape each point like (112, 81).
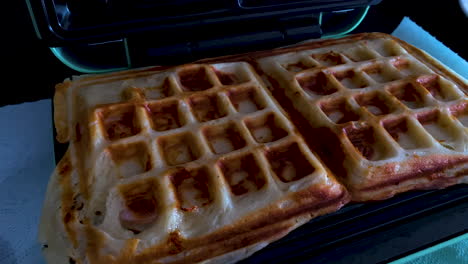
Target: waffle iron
(92, 36)
(108, 35)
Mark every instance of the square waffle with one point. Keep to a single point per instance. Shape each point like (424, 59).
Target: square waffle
(389, 117)
(210, 162)
(196, 163)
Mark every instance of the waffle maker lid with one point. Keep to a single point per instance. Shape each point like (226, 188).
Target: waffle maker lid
(105, 35)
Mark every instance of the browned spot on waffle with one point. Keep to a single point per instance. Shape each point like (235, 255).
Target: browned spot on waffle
(194, 78)
(227, 78)
(318, 84)
(243, 174)
(428, 117)
(175, 241)
(165, 115)
(431, 167)
(379, 74)
(408, 95)
(119, 121)
(407, 67)
(363, 139)
(400, 63)
(433, 84)
(288, 162)
(330, 58)
(339, 111)
(320, 193)
(78, 202)
(141, 205)
(460, 111)
(246, 99)
(297, 67)
(207, 107)
(77, 132)
(132, 159)
(224, 138)
(376, 103)
(179, 149)
(350, 79)
(64, 169)
(461, 173)
(192, 188)
(266, 128)
(159, 92)
(67, 218)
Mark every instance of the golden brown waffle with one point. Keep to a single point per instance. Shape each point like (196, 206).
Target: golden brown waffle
(388, 117)
(199, 163)
(195, 163)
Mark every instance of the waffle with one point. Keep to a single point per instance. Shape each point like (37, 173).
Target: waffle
(389, 117)
(196, 163)
(210, 162)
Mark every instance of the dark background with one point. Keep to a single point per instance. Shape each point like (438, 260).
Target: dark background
(31, 71)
